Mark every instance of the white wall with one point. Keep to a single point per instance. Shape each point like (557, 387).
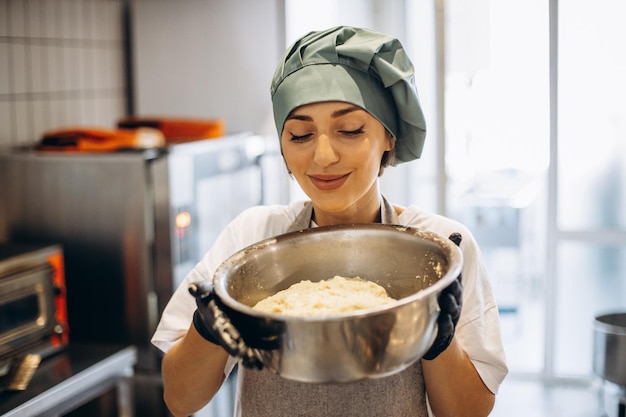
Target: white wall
(61, 64)
(207, 58)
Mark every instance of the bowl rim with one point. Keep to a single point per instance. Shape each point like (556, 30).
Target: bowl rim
(455, 260)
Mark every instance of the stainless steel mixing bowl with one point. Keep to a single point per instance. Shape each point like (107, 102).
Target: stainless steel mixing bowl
(413, 265)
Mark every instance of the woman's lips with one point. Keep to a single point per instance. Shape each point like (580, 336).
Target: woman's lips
(328, 182)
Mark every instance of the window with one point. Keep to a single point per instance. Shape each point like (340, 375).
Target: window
(532, 156)
(497, 132)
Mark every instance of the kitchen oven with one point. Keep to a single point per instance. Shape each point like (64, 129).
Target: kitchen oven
(33, 316)
(131, 223)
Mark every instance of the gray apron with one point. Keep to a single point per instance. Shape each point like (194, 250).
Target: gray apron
(266, 394)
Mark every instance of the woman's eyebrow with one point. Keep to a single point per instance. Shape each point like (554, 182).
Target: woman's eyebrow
(342, 112)
(335, 114)
(299, 117)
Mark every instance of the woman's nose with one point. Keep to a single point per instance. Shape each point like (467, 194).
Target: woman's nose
(324, 152)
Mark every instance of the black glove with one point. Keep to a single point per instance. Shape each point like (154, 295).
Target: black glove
(450, 303)
(214, 326)
(203, 317)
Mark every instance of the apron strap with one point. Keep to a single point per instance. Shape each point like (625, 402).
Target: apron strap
(303, 219)
(388, 213)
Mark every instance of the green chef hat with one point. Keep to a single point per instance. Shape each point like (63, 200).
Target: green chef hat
(358, 66)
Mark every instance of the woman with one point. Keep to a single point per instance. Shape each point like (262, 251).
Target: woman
(345, 107)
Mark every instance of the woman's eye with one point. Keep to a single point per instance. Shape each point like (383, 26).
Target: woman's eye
(297, 138)
(354, 132)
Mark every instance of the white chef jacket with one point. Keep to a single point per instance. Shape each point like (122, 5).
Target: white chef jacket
(478, 329)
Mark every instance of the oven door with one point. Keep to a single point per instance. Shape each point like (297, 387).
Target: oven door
(26, 308)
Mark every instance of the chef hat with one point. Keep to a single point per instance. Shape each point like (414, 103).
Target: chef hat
(358, 66)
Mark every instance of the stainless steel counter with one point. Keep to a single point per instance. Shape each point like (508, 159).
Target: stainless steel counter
(73, 377)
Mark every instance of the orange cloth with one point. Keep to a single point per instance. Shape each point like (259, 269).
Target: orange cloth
(178, 130)
(99, 139)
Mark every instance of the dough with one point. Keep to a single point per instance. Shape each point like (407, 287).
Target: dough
(325, 298)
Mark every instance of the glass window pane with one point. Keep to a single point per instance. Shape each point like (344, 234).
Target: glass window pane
(591, 280)
(497, 154)
(592, 114)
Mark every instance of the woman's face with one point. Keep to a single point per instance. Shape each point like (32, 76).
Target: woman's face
(334, 149)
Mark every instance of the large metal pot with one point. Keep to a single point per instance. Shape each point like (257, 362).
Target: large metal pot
(413, 265)
(609, 346)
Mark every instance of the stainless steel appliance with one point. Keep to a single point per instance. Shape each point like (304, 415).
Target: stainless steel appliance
(33, 316)
(609, 360)
(131, 224)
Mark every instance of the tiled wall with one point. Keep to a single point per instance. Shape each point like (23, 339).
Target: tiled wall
(61, 64)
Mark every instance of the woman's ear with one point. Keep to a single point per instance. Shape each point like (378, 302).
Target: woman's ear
(389, 156)
(391, 141)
